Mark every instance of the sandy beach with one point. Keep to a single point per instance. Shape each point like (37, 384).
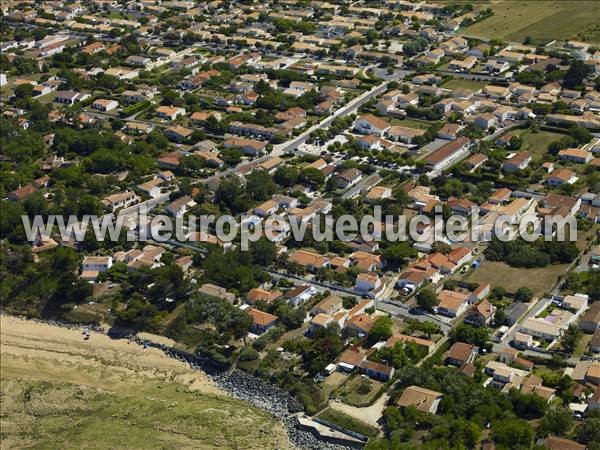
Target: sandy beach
(107, 386)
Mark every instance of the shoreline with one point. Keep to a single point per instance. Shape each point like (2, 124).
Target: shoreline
(235, 383)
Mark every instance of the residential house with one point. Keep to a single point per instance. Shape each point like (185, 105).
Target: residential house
(481, 314)
(590, 321)
(179, 207)
(367, 282)
(460, 354)
(377, 193)
(404, 134)
(120, 200)
(152, 187)
(69, 97)
(496, 92)
(212, 290)
(448, 154)
(248, 146)
(541, 328)
(518, 161)
(300, 294)
(424, 400)
(413, 279)
(452, 304)
(404, 339)
(170, 112)
(475, 161)
(370, 124)
(360, 324)
(462, 206)
(348, 178)
(21, 193)
(93, 265)
(575, 155)
(178, 133)
(561, 177)
(559, 443)
(262, 321)
(485, 121)
(329, 305)
(308, 259)
(377, 371)
(450, 131)
(105, 105)
(462, 65)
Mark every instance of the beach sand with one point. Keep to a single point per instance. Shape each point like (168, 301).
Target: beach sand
(61, 390)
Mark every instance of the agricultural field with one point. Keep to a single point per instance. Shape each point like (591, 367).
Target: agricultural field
(542, 21)
(58, 390)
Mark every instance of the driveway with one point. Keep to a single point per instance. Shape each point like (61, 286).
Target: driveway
(368, 414)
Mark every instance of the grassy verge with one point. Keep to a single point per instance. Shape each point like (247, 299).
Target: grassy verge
(350, 423)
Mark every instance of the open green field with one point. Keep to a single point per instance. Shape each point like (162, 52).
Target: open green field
(412, 123)
(60, 391)
(459, 83)
(536, 143)
(496, 273)
(543, 21)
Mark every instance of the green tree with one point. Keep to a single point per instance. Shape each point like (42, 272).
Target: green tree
(397, 255)
(365, 386)
(286, 176)
(464, 332)
(556, 422)
(528, 406)
(523, 294)
(263, 252)
(427, 299)
(570, 338)
(314, 177)
(513, 433)
(381, 331)
(260, 185)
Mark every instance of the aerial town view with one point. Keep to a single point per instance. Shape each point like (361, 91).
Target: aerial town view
(300, 224)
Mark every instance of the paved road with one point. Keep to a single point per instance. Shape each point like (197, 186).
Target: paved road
(293, 143)
(535, 309)
(349, 108)
(399, 309)
(320, 287)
